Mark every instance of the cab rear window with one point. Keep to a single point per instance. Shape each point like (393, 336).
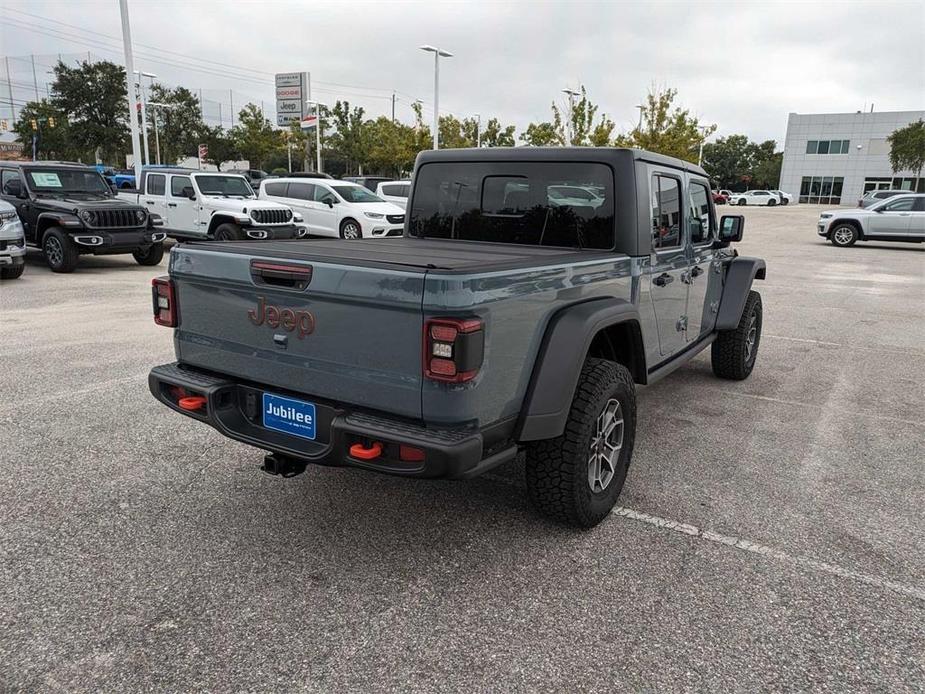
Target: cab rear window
(537, 203)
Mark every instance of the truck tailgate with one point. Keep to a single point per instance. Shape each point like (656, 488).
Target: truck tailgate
(352, 335)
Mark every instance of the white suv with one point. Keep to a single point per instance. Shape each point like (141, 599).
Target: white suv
(336, 208)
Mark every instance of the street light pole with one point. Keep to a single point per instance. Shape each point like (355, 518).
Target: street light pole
(703, 129)
(571, 113)
(144, 115)
(157, 139)
(317, 105)
(130, 86)
(438, 53)
(478, 129)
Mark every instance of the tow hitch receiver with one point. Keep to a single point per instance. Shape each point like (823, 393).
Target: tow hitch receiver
(282, 465)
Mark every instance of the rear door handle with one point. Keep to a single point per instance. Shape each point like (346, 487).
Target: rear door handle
(149, 202)
(662, 280)
(171, 204)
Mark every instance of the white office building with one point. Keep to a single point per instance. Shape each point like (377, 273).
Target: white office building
(834, 158)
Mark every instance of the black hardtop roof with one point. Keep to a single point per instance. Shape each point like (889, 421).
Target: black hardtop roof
(49, 164)
(556, 154)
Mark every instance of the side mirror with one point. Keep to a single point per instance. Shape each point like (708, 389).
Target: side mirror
(14, 188)
(329, 202)
(731, 227)
(188, 192)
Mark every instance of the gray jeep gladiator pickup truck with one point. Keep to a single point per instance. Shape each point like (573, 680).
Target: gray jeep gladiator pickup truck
(507, 318)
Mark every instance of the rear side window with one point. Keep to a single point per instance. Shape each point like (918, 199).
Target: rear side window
(919, 205)
(515, 202)
(899, 205)
(301, 191)
(666, 212)
(178, 183)
(156, 184)
(275, 189)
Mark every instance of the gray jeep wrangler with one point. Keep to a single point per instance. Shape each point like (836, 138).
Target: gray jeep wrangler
(532, 292)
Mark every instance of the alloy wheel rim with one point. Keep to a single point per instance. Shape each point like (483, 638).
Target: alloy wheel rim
(606, 444)
(53, 250)
(351, 231)
(750, 338)
(843, 235)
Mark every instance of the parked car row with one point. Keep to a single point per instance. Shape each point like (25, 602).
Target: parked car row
(768, 198)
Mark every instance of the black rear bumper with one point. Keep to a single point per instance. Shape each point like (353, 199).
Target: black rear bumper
(235, 410)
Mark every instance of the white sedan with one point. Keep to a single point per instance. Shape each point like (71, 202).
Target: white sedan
(754, 197)
(783, 198)
(336, 208)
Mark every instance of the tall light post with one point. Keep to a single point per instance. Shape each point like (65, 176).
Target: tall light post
(438, 53)
(157, 138)
(703, 136)
(144, 114)
(478, 129)
(130, 86)
(317, 105)
(571, 113)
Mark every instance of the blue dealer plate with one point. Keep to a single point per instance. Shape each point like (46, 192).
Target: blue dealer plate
(289, 416)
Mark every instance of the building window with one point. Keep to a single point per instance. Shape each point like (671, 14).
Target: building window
(910, 183)
(827, 146)
(821, 190)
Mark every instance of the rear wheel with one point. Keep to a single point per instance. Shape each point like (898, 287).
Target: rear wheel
(843, 235)
(229, 232)
(350, 229)
(60, 252)
(152, 255)
(734, 351)
(577, 477)
(741, 202)
(12, 272)
(772, 202)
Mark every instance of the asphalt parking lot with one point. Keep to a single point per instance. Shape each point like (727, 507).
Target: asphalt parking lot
(771, 533)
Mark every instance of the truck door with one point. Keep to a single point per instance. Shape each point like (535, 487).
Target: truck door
(668, 264)
(704, 286)
(182, 212)
(153, 196)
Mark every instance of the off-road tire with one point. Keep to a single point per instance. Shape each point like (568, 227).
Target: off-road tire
(733, 356)
(557, 469)
(839, 238)
(345, 226)
(60, 252)
(152, 255)
(12, 272)
(229, 232)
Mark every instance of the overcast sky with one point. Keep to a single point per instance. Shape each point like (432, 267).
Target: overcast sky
(741, 65)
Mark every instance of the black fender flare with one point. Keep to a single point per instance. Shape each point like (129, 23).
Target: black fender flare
(741, 273)
(559, 362)
(65, 220)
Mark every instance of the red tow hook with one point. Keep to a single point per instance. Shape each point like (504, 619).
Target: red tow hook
(358, 450)
(191, 403)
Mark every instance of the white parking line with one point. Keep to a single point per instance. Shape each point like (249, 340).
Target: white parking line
(766, 551)
(749, 546)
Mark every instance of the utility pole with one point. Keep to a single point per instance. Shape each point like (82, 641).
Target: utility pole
(35, 79)
(478, 129)
(393, 107)
(202, 114)
(9, 88)
(130, 85)
(231, 103)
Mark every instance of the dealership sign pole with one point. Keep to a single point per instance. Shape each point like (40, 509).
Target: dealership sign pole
(130, 85)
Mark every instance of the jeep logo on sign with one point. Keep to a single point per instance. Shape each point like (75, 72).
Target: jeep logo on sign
(286, 318)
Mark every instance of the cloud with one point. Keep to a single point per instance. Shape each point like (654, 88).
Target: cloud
(744, 66)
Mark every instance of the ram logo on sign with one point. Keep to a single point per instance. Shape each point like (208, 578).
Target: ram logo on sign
(292, 89)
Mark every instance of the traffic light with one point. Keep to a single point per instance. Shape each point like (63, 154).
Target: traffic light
(35, 124)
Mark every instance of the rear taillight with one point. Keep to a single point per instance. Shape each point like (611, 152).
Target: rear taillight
(453, 349)
(165, 302)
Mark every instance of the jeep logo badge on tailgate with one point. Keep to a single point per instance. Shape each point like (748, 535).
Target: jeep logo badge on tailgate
(285, 318)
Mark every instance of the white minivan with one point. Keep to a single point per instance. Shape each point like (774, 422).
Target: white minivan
(336, 208)
(395, 191)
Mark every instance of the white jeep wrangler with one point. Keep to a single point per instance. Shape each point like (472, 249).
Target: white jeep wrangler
(205, 204)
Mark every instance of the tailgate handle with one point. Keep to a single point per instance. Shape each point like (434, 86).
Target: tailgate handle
(281, 275)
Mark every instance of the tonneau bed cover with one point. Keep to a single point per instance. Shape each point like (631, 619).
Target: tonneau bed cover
(408, 253)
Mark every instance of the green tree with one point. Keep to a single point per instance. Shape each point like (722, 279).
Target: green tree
(254, 136)
(496, 135)
(728, 160)
(94, 97)
(907, 148)
(456, 134)
(350, 139)
(222, 148)
(766, 173)
(179, 123)
(52, 127)
(575, 124)
(540, 135)
(391, 148)
(667, 129)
